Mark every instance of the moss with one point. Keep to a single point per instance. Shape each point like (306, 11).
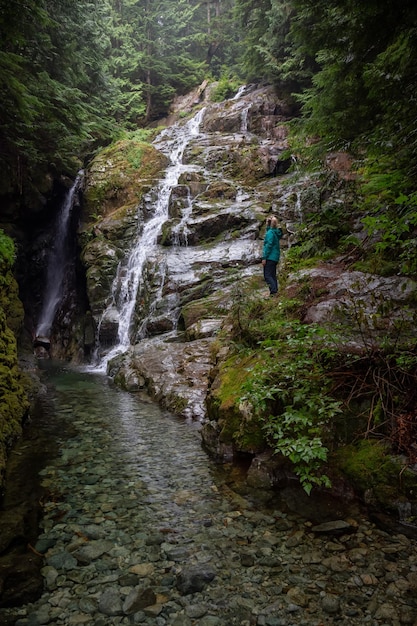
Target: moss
(203, 308)
(120, 174)
(10, 302)
(371, 469)
(13, 400)
(237, 425)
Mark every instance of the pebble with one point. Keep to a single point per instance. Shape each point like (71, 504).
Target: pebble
(157, 540)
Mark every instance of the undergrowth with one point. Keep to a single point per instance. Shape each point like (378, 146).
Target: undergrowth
(313, 391)
(288, 388)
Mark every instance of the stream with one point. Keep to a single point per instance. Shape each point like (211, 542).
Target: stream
(141, 527)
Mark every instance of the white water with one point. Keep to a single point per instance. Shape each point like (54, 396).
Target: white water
(58, 259)
(172, 142)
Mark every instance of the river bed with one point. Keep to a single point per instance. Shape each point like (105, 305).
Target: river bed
(141, 527)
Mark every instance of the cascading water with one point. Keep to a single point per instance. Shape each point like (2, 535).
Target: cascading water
(172, 142)
(58, 259)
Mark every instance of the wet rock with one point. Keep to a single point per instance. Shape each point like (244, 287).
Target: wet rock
(110, 602)
(330, 604)
(296, 596)
(194, 579)
(336, 527)
(139, 599)
(92, 551)
(62, 560)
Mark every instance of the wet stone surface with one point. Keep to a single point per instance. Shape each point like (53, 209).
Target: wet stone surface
(140, 527)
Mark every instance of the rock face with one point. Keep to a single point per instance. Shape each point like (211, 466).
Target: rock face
(205, 249)
(207, 246)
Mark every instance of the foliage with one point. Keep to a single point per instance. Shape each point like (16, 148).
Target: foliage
(377, 377)
(288, 387)
(73, 74)
(392, 226)
(7, 252)
(318, 387)
(225, 88)
(351, 67)
(49, 63)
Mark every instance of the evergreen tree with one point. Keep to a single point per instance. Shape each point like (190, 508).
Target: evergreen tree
(51, 87)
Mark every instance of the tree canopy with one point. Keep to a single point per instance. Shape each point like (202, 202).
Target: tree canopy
(72, 74)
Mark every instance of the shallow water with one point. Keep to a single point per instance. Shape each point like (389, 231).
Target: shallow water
(133, 504)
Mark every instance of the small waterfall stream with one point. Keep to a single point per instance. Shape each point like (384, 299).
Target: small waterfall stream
(58, 259)
(172, 142)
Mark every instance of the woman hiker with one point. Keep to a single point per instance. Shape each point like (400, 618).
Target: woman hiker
(271, 253)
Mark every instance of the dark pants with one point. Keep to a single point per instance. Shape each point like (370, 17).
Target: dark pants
(270, 275)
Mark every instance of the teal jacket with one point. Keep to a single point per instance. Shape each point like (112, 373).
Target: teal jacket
(272, 249)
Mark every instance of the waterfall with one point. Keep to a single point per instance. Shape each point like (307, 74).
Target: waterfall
(180, 231)
(57, 262)
(172, 142)
(244, 120)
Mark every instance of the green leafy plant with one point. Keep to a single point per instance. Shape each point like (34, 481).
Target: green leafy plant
(289, 390)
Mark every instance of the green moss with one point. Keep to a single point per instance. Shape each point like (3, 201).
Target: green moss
(120, 174)
(238, 425)
(10, 302)
(13, 400)
(7, 252)
(371, 468)
(204, 307)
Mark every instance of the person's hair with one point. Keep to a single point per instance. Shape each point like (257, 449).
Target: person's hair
(274, 222)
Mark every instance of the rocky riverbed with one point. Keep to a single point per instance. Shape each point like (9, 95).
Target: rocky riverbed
(140, 527)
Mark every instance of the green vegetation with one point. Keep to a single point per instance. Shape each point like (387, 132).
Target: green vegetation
(308, 391)
(285, 383)
(74, 74)
(7, 252)
(13, 401)
(370, 465)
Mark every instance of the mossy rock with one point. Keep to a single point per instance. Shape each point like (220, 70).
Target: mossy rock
(10, 302)
(14, 403)
(220, 189)
(204, 308)
(119, 176)
(379, 477)
(238, 426)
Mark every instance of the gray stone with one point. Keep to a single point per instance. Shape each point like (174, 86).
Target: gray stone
(194, 579)
(337, 527)
(330, 604)
(62, 561)
(138, 599)
(110, 602)
(196, 610)
(93, 550)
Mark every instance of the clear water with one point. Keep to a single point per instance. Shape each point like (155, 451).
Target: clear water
(132, 481)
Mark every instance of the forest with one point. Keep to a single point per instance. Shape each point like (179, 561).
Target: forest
(75, 76)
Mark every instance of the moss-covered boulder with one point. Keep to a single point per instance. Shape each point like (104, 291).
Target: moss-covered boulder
(383, 480)
(230, 415)
(13, 399)
(119, 176)
(14, 403)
